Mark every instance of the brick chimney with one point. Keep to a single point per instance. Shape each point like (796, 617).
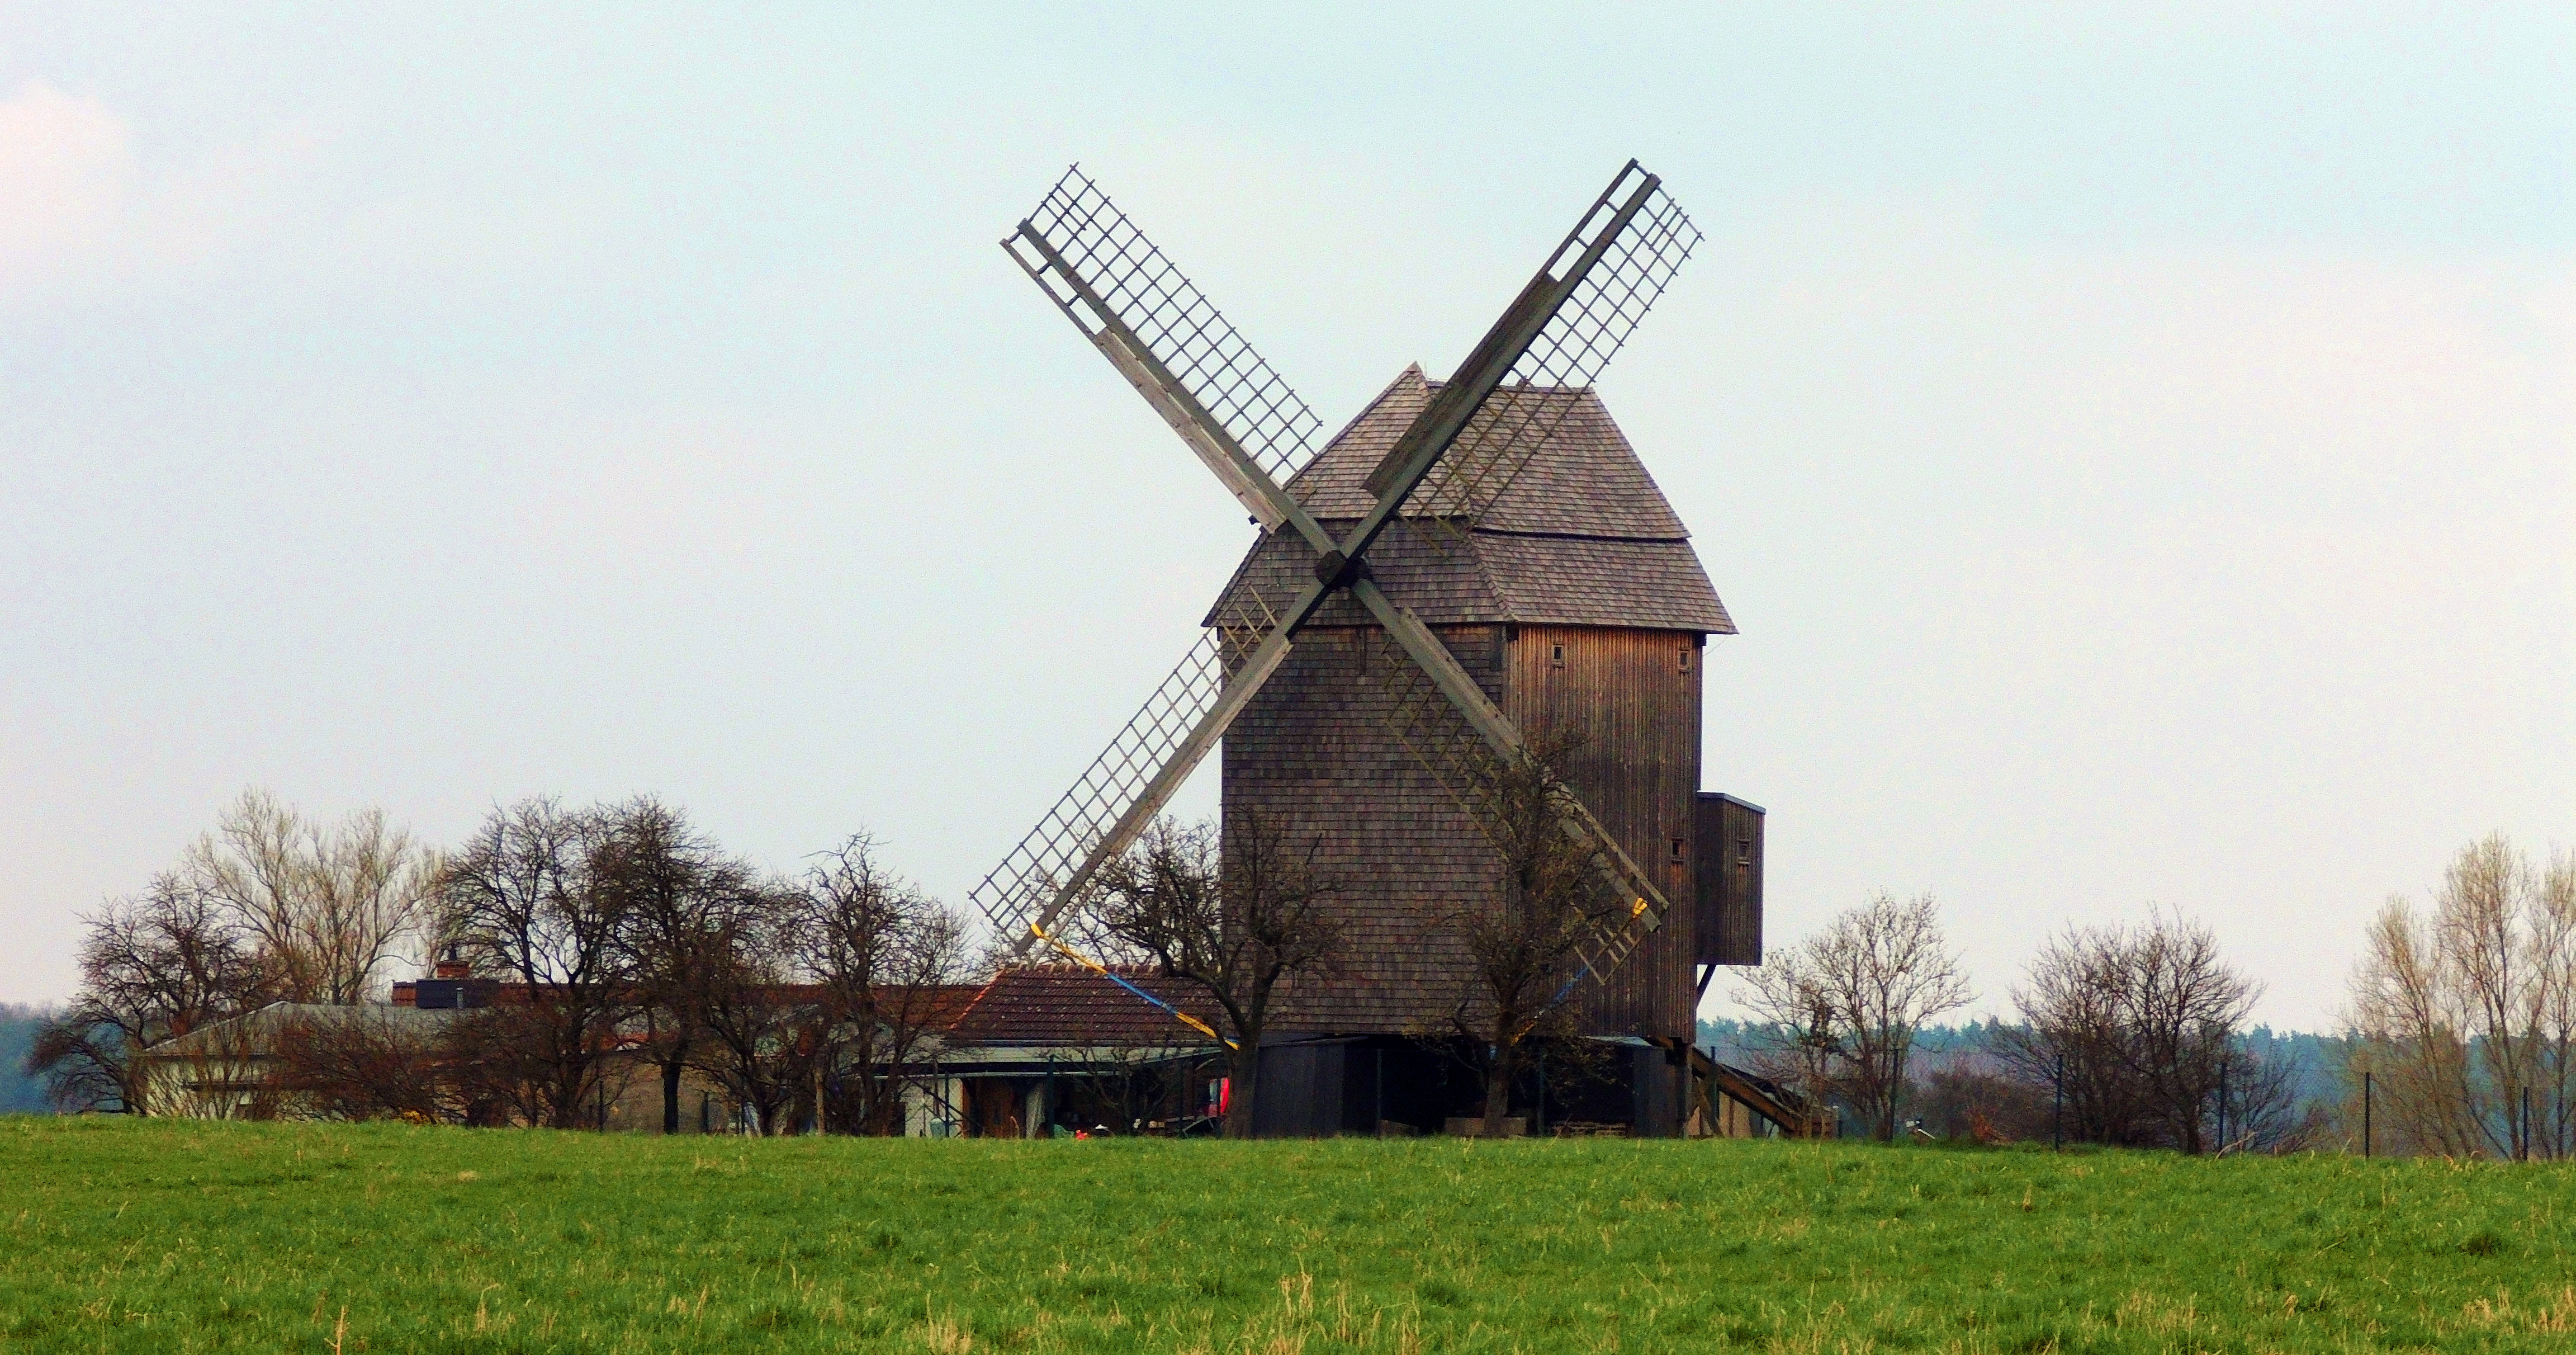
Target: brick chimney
(450, 966)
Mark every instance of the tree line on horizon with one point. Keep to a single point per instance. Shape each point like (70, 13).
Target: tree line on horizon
(2122, 1035)
(620, 928)
(2459, 1039)
(626, 927)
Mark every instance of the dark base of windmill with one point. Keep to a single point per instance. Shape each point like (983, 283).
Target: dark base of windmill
(1390, 1085)
(1378, 1085)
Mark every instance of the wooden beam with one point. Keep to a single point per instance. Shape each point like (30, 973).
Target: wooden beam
(1199, 430)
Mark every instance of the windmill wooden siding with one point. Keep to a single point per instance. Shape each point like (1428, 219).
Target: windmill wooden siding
(1314, 752)
(1578, 605)
(1632, 697)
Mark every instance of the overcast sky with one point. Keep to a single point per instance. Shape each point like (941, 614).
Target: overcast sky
(2140, 450)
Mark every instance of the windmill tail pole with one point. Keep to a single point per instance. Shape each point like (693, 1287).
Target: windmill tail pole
(1105, 972)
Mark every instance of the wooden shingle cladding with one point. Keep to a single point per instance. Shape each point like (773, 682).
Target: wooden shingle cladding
(1576, 602)
(1582, 537)
(1314, 751)
(1586, 480)
(1452, 577)
(1314, 754)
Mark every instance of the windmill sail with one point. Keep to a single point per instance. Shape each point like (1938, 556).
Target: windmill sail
(1569, 354)
(1629, 268)
(1167, 338)
(1034, 882)
(1253, 430)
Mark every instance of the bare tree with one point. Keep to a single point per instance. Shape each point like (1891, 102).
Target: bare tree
(1854, 995)
(2467, 1019)
(2141, 1027)
(365, 1064)
(762, 1043)
(269, 907)
(2072, 1041)
(1236, 914)
(1524, 940)
(1795, 1030)
(679, 898)
(881, 953)
(2186, 1006)
(526, 898)
(161, 964)
(327, 906)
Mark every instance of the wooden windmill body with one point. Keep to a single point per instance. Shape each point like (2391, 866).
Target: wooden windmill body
(1468, 563)
(1579, 607)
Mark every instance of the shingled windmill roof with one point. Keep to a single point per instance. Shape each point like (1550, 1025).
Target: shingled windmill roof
(1582, 537)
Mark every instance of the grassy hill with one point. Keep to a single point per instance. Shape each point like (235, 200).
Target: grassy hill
(183, 1236)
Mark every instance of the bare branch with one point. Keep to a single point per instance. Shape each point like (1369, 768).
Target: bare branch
(1238, 914)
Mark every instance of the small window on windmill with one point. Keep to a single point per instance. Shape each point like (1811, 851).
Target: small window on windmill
(1556, 654)
(1744, 851)
(1677, 851)
(1686, 651)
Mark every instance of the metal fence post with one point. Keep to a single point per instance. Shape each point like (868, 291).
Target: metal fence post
(2222, 1105)
(2057, 1107)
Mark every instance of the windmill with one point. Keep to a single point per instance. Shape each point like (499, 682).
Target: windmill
(1407, 497)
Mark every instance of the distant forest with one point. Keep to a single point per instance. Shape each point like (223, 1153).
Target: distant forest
(19, 1093)
(2318, 1059)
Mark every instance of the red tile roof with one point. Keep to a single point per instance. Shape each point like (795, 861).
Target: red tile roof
(1067, 1005)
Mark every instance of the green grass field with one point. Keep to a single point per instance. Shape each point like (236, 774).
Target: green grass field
(183, 1237)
